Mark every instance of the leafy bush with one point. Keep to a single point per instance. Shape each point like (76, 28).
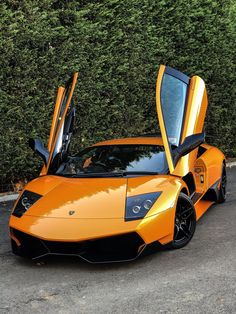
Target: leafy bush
(117, 47)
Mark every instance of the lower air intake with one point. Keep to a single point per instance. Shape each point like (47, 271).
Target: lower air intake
(111, 249)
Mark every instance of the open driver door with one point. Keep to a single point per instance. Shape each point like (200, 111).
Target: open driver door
(181, 109)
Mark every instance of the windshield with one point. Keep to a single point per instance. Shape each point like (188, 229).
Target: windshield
(116, 160)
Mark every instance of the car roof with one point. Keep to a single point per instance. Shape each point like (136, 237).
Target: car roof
(142, 140)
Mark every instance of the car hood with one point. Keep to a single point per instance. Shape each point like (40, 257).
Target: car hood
(80, 198)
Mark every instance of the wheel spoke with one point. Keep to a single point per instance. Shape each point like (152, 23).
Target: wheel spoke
(186, 233)
(189, 215)
(176, 234)
(185, 212)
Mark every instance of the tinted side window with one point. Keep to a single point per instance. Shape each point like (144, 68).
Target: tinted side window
(173, 97)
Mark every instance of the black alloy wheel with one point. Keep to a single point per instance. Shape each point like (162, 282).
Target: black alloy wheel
(185, 222)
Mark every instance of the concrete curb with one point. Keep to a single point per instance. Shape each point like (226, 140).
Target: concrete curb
(231, 164)
(7, 198)
(13, 197)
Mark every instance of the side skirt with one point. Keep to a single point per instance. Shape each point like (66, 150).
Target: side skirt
(203, 201)
(201, 207)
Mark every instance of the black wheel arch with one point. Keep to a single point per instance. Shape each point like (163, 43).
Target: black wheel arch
(189, 181)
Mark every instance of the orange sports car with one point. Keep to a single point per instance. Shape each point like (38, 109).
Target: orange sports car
(122, 198)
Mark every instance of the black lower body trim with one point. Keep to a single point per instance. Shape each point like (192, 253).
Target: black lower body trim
(212, 194)
(125, 247)
(196, 197)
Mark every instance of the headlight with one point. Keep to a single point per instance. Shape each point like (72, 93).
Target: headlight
(138, 206)
(26, 200)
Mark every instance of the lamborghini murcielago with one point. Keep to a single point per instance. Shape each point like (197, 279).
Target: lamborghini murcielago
(122, 198)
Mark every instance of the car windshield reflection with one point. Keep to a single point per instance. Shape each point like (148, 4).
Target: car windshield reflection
(116, 160)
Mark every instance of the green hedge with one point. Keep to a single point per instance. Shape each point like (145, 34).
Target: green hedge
(117, 47)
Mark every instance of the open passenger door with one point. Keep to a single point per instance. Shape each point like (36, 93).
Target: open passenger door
(61, 129)
(181, 108)
(62, 125)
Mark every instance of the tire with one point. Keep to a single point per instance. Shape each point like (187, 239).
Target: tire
(223, 185)
(185, 222)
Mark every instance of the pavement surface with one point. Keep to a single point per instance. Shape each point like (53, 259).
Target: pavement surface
(200, 278)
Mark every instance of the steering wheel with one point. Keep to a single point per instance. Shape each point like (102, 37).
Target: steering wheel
(97, 163)
(114, 161)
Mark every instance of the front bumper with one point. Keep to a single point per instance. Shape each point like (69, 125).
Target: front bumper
(124, 247)
(93, 240)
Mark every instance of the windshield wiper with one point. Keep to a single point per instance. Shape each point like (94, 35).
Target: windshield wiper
(115, 174)
(96, 175)
(107, 174)
(127, 173)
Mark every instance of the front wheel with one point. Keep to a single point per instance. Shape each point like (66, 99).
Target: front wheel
(185, 222)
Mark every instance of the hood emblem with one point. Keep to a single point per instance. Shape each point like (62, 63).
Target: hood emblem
(71, 212)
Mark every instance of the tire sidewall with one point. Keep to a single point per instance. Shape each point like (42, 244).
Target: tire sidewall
(222, 195)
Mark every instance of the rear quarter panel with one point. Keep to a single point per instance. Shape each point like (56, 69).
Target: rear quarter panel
(213, 159)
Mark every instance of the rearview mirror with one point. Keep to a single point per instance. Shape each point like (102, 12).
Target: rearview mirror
(190, 143)
(37, 146)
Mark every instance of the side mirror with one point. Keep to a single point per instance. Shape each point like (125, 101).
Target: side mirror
(37, 146)
(190, 143)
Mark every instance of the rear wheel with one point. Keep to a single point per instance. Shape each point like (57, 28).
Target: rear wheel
(223, 183)
(185, 222)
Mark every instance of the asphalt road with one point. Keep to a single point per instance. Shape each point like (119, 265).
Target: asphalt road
(200, 278)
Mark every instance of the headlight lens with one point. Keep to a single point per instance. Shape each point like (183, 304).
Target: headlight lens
(26, 200)
(138, 206)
